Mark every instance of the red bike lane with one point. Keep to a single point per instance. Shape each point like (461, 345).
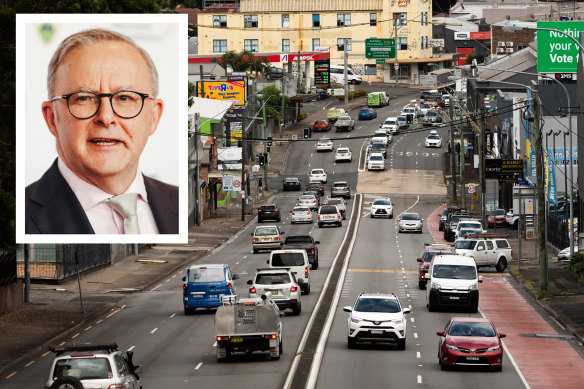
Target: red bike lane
(544, 359)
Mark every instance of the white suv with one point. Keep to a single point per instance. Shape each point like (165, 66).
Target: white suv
(93, 366)
(376, 162)
(283, 286)
(317, 175)
(377, 317)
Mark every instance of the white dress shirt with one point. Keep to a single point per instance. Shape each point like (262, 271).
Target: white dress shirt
(103, 218)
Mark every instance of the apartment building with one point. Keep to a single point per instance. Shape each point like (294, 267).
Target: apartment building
(282, 26)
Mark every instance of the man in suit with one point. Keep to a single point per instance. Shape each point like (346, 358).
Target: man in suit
(102, 109)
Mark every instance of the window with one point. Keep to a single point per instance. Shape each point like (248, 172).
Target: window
(285, 20)
(343, 19)
(219, 45)
(286, 45)
(341, 44)
(426, 42)
(402, 43)
(315, 20)
(422, 43)
(251, 45)
(315, 43)
(373, 19)
(250, 21)
(400, 18)
(220, 21)
(426, 17)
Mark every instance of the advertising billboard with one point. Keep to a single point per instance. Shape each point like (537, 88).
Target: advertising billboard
(322, 73)
(222, 90)
(557, 52)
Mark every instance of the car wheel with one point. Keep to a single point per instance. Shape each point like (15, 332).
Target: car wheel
(422, 284)
(67, 383)
(443, 366)
(351, 343)
(391, 216)
(279, 219)
(501, 265)
(297, 309)
(372, 216)
(401, 344)
(281, 348)
(498, 368)
(189, 311)
(314, 265)
(319, 225)
(307, 291)
(255, 251)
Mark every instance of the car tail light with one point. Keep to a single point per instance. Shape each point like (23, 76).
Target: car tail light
(310, 175)
(272, 336)
(229, 286)
(318, 217)
(293, 212)
(277, 238)
(259, 210)
(185, 285)
(276, 210)
(338, 216)
(293, 288)
(306, 272)
(308, 212)
(220, 338)
(312, 250)
(252, 290)
(256, 239)
(116, 386)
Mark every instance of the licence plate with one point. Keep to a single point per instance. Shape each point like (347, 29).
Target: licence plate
(376, 331)
(454, 298)
(275, 292)
(213, 296)
(197, 295)
(237, 339)
(266, 240)
(472, 358)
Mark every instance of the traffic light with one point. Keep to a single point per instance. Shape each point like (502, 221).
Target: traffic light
(268, 149)
(457, 147)
(307, 132)
(269, 141)
(261, 159)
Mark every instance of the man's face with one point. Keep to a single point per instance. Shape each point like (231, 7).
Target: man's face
(103, 150)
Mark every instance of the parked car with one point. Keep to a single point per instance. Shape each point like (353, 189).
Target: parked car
(316, 186)
(291, 183)
(283, 286)
(266, 238)
(377, 318)
(376, 162)
(205, 284)
(324, 144)
(318, 175)
(341, 189)
(564, 255)
(269, 212)
(470, 341)
(367, 114)
(343, 154)
(321, 125)
(301, 214)
(410, 221)
(382, 207)
(497, 217)
(308, 200)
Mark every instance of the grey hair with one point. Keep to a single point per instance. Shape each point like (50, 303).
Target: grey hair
(88, 38)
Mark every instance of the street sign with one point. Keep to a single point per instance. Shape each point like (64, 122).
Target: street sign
(236, 184)
(379, 48)
(471, 188)
(227, 184)
(380, 61)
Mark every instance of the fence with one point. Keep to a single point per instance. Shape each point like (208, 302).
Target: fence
(557, 231)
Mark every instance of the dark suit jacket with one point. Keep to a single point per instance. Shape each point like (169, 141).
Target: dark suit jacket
(51, 207)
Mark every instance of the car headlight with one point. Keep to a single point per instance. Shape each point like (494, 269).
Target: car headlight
(356, 319)
(451, 347)
(494, 348)
(397, 321)
(473, 287)
(435, 285)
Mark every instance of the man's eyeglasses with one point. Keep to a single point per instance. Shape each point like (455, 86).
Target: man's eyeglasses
(125, 104)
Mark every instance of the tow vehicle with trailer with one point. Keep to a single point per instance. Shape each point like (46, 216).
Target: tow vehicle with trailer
(306, 243)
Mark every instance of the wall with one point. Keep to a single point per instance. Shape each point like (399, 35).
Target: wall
(11, 296)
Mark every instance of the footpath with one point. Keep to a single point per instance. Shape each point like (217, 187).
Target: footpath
(55, 312)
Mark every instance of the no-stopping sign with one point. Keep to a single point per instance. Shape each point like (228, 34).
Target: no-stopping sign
(471, 188)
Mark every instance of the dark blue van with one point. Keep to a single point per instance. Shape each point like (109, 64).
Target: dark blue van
(204, 286)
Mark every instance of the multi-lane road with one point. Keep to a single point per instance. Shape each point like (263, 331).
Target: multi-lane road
(177, 351)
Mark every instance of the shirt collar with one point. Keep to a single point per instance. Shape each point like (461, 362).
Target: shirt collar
(90, 195)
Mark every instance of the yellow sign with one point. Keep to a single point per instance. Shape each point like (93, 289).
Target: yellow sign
(223, 90)
(475, 196)
(530, 233)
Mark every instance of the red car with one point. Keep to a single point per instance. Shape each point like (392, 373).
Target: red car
(321, 125)
(470, 341)
(497, 217)
(430, 250)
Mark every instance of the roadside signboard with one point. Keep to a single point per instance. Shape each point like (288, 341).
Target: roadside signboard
(227, 183)
(379, 48)
(558, 53)
(428, 81)
(471, 188)
(322, 73)
(505, 170)
(396, 66)
(222, 90)
(380, 61)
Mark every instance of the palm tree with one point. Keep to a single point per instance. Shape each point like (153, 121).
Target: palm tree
(243, 61)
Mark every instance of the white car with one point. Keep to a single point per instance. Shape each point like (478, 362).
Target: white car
(433, 140)
(377, 318)
(317, 175)
(376, 162)
(301, 214)
(446, 99)
(424, 108)
(564, 255)
(382, 207)
(410, 222)
(392, 124)
(409, 110)
(343, 154)
(283, 286)
(324, 144)
(381, 135)
(309, 201)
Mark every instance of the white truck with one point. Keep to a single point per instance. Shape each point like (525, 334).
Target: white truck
(486, 250)
(247, 325)
(344, 123)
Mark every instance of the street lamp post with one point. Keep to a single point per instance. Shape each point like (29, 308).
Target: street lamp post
(263, 108)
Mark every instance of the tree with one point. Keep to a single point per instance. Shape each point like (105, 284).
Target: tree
(274, 104)
(243, 61)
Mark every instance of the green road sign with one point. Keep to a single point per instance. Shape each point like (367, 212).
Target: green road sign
(557, 52)
(380, 48)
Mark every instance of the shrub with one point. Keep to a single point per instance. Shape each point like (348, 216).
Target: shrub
(302, 115)
(576, 265)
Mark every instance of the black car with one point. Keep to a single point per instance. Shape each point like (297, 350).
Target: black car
(268, 212)
(445, 214)
(316, 186)
(378, 148)
(452, 222)
(291, 183)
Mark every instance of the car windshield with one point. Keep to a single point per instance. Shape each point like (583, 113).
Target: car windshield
(469, 225)
(342, 150)
(499, 212)
(431, 113)
(465, 244)
(291, 179)
(471, 329)
(377, 305)
(457, 218)
(389, 122)
(376, 158)
(206, 274)
(83, 368)
(410, 216)
(318, 171)
(381, 202)
(380, 134)
(364, 111)
(272, 279)
(324, 140)
(333, 201)
(377, 146)
(328, 209)
(424, 106)
(340, 184)
(268, 207)
(320, 122)
(462, 233)
(433, 137)
(457, 272)
(266, 231)
(287, 259)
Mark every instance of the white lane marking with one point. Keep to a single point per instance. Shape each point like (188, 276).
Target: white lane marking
(245, 256)
(154, 330)
(419, 379)
(173, 315)
(412, 319)
(131, 348)
(418, 355)
(415, 335)
(215, 344)
(199, 365)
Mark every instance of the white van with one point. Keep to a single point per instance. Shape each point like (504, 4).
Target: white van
(453, 280)
(298, 263)
(336, 74)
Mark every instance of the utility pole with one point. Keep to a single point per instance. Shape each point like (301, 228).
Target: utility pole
(482, 142)
(541, 243)
(266, 163)
(462, 160)
(282, 117)
(345, 57)
(299, 86)
(452, 152)
(396, 66)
